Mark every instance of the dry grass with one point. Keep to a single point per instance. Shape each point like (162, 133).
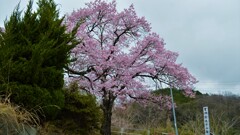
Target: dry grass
(14, 119)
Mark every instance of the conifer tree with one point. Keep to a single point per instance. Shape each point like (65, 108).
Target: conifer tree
(34, 48)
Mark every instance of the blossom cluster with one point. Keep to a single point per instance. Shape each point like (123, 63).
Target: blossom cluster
(120, 53)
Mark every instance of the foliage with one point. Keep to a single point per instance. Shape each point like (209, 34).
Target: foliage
(118, 53)
(34, 48)
(49, 128)
(179, 95)
(136, 115)
(36, 98)
(223, 113)
(81, 114)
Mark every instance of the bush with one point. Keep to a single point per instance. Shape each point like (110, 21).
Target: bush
(34, 97)
(81, 114)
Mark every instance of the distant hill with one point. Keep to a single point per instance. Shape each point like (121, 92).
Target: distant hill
(178, 95)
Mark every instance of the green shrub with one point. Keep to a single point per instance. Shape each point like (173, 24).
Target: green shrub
(35, 98)
(81, 113)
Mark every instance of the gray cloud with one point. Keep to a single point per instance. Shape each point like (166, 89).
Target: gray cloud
(206, 34)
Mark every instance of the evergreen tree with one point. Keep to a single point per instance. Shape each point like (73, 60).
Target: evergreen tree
(34, 48)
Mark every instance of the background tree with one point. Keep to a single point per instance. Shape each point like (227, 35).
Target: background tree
(118, 54)
(34, 48)
(149, 115)
(223, 113)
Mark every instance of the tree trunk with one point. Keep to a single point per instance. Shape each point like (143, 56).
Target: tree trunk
(107, 106)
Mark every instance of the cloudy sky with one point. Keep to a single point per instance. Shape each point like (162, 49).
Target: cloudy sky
(206, 34)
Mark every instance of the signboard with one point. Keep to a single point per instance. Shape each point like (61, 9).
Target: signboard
(206, 120)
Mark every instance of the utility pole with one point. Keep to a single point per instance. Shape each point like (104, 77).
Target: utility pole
(174, 115)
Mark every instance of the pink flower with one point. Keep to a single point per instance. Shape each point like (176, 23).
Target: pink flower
(122, 54)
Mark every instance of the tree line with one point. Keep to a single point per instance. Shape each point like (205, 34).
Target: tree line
(223, 113)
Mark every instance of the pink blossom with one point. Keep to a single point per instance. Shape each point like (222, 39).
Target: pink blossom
(121, 53)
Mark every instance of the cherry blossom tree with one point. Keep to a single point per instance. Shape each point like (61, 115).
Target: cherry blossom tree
(118, 57)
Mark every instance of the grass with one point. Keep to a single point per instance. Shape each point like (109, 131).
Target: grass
(14, 119)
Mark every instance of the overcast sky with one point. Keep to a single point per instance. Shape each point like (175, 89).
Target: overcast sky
(205, 33)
